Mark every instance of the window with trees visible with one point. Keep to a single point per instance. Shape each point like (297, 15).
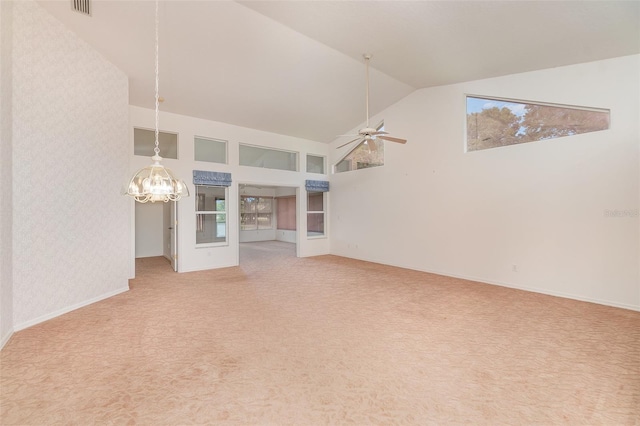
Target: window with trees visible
(211, 214)
(367, 154)
(256, 213)
(493, 123)
(315, 214)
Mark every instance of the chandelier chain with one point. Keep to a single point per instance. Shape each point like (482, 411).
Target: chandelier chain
(156, 183)
(157, 148)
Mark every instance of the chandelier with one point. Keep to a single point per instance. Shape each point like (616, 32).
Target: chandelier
(156, 182)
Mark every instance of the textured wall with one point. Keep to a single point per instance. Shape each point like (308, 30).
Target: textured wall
(6, 278)
(70, 159)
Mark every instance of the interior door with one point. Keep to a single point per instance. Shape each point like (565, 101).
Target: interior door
(174, 235)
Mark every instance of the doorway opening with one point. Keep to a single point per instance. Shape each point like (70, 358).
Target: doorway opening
(156, 231)
(268, 220)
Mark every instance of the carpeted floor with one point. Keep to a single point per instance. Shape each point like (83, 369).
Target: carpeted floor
(324, 340)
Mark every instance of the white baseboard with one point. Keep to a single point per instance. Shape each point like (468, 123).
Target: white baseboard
(5, 339)
(502, 284)
(547, 292)
(63, 311)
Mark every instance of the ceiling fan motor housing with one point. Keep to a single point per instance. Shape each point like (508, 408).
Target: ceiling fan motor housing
(367, 131)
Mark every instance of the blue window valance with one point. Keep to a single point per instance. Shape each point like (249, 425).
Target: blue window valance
(202, 177)
(317, 185)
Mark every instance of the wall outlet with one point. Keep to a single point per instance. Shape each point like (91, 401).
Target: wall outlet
(514, 268)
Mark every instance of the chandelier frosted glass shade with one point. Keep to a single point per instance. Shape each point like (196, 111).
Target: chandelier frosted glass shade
(156, 183)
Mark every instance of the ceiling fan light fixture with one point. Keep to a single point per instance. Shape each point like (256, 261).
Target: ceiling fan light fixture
(369, 133)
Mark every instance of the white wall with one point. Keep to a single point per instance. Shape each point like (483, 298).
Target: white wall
(540, 206)
(6, 208)
(166, 234)
(70, 159)
(190, 257)
(286, 235)
(149, 229)
(257, 235)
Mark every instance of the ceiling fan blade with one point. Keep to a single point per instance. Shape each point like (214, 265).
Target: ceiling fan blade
(390, 139)
(380, 132)
(372, 147)
(345, 144)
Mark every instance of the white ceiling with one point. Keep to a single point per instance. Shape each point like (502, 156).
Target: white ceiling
(295, 67)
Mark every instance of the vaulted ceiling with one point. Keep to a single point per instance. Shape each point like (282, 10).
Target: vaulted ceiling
(296, 68)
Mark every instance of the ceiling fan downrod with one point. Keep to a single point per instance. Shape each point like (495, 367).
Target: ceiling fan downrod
(367, 57)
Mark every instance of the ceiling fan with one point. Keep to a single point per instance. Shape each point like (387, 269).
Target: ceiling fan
(368, 133)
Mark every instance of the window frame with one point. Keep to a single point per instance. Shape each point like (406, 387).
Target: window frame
(205, 138)
(324, 164)
(256, 213)
(323, 212)
(267, 148)
(163, 150)
(380, 145)
(216, 213)
(485, 98)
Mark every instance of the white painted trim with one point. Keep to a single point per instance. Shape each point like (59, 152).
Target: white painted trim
(502, 284)
(548, 293)
(5, 339)
(63, 311)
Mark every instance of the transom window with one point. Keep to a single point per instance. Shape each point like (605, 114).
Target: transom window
(315, 164)
(493, 122)
(144, 142)
(268, 158)
(367, 154)
(210, 150)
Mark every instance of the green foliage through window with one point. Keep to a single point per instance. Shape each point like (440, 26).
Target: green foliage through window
(256, 213)
(494, 123)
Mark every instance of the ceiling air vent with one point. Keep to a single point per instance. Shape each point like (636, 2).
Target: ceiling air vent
(82, 6)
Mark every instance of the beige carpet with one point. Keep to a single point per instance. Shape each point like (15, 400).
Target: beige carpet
(324, 340)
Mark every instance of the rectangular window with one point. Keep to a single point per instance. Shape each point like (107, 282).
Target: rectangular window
(315, 164)
(256, 213)
(493, 122)
(267, 158)
(144, 142)
(315, 214)
(211, 214)
(366, 154)
(210, 150)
